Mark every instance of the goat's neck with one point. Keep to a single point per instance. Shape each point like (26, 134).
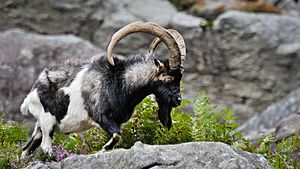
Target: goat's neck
(138, 79)
(140, 75)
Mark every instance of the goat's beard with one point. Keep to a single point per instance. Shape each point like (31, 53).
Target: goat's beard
(164, 112)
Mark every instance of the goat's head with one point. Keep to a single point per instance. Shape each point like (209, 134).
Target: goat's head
(171, 75)
(167, 83)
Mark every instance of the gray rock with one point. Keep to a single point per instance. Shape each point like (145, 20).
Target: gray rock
(93, 20)
(253, 60)
(288, 126)
(129, 11)
(186, 155)
(49, 16)
(37, 165)
(22, 57)
(158, 11)
(278, 117)
(40, 165)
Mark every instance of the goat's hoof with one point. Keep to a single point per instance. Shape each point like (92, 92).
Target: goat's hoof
(49, 153)
(105, 148)
(116, 137)
(47, 150)
(24, 155)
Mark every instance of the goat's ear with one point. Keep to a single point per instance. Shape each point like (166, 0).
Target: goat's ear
(158, 64)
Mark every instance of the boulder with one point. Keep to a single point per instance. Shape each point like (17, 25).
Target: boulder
(23, 55)
(186, 155)
(43, 165)
(50, 16)
(288, 126)
(281, 117)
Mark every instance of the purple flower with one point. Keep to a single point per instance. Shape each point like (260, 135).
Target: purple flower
(13, 165)
(62, 153)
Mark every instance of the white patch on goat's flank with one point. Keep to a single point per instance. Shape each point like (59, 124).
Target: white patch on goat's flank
(140, 74)
(77, 118)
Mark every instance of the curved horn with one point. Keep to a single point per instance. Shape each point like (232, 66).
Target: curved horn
(154, 29)
(153, 45)
(179, 40)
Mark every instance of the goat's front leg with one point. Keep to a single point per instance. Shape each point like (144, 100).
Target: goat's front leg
(113, 130)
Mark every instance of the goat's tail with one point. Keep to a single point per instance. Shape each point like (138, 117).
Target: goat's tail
(25, 105)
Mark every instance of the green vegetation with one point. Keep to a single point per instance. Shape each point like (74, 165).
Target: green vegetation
(207, 123)
(12, 134)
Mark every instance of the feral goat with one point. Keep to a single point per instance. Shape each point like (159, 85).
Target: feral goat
(104, 91)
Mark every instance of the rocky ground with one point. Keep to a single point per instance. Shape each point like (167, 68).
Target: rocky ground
(210, 155)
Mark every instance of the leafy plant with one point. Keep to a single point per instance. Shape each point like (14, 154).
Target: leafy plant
(209, 124)
(12, 134)
(88, 142)
(282, 154)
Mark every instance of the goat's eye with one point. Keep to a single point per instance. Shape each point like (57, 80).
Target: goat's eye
(168, 79)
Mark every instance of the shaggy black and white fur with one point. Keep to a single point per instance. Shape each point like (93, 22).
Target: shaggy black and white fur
(76, 97)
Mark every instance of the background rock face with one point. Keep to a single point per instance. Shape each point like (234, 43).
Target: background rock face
(187, 155)
(48, 16)
(247, 61)
(282, 117)
(244, 62)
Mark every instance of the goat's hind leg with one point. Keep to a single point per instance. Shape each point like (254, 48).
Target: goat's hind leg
(47, 126)
(113, 130)
(34, 142)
